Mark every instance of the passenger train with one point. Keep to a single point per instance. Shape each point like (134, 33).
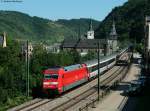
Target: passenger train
(61, 79)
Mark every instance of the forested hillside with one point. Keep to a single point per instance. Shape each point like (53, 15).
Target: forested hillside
(22, 26)
(78, 24)
(129, 20)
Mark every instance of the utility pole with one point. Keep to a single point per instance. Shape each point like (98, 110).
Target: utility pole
(145, 45)
(27, 68)
(147, 42)
(134, 44)
(98, 47)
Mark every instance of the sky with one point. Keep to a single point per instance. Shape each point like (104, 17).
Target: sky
(63, 9)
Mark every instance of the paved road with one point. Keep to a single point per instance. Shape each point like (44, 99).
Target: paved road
(113, 101)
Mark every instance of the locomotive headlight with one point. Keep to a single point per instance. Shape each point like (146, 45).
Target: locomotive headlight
(46, 83)
(53, 83)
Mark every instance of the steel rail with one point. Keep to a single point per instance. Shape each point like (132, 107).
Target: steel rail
(32, 108)
(68, 104)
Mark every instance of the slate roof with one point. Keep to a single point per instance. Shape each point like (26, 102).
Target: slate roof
(83, 43)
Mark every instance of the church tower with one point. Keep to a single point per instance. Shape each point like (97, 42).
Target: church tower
(113, 36)
(90, 33)
(4, 40)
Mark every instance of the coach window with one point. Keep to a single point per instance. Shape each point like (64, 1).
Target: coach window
(51, 76)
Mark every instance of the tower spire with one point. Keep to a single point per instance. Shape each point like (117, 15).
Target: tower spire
(114, 28)
(79, 32)
(91, 25)
(4, 39)
(113, 33)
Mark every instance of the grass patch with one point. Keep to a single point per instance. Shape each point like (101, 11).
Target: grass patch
(14, 102)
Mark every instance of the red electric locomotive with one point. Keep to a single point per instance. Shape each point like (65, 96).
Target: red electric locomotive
(64, 78)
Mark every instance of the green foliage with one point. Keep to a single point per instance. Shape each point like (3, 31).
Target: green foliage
(12, 73)
(139, 48)
(13, 102)
(74, 24)
(91, 55)
(129, 19)
(76, 56)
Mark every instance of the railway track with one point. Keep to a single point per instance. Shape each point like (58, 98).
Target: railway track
(41, 104)
(73, 101)
(31, 105)
(91, 92)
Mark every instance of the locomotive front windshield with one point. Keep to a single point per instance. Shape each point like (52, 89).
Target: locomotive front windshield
(51, 76)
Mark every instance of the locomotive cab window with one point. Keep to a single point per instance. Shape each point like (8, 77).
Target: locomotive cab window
(51, 76)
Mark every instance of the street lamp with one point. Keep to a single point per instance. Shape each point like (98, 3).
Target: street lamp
(147, 41)
(98, 53)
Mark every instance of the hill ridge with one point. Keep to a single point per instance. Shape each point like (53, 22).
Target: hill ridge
(23, 26)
